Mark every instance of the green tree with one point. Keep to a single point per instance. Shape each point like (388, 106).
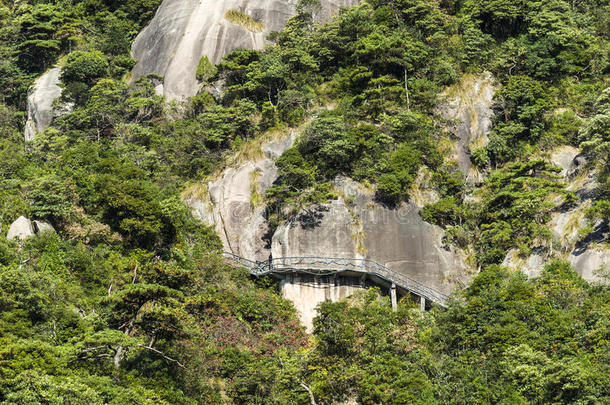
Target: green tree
(81, 71)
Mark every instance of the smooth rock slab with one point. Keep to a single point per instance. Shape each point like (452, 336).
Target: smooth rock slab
(589, 262)
(396, 238)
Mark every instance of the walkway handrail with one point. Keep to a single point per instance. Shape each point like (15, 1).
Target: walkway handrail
(332, 265)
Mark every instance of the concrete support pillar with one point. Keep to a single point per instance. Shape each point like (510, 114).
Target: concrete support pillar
(422, 304)
(393, 297)
(363, 281)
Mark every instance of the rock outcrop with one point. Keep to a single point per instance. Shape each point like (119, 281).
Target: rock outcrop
(232, 202)
(353, 226)
(42, 227)
(356, 226)
(585, 255)
(468, 110)
(183, 31)
(40, 102)
(22, 228)
(589, 261)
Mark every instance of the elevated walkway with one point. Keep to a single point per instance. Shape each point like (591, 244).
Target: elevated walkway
(329, 266)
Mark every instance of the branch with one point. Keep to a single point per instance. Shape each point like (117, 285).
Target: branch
(135, 274)
(312, 399)
(92, 349)
(160, 353)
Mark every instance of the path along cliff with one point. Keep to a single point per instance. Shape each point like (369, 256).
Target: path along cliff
(354, 225)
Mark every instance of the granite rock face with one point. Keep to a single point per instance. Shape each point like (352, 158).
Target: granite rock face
(468, 110)
(183, 31)
(356, 226)
(21, 229)
(567, 158)
(40, 102)
(589, 261)
(232, 202)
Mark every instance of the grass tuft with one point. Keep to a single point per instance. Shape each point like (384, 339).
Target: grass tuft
(244, 21)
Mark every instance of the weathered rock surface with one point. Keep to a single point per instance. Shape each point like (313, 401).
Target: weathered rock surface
(42, 227)
(530, 265)
(183, 31)
(40, 102)
(232, 202)
(566, 157)
(468, 108)
(355, 226)
(307, 292)
(587, 262)
(362, 228)
(586, 256)
(21, 229)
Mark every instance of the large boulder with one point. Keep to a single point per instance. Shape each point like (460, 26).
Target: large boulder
(40, 102)
(183, 31)
(42, 227)
(21, 229)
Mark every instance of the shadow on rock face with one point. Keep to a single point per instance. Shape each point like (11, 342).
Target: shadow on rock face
(312, 217)
(599, 234)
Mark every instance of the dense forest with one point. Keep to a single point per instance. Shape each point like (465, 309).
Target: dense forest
(128, 301)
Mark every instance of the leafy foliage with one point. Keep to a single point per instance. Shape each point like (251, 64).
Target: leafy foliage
(128, 302)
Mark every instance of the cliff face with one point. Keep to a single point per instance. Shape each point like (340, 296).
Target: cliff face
(232, 201)
(354, 225)
(467, 109)
(183, 31)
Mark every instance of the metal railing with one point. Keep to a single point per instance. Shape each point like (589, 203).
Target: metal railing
(322, 266)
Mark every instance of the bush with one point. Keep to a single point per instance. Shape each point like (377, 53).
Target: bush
(81, 71)
(389, 189)
(443, 212)
(85, 67)
(479, 158)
